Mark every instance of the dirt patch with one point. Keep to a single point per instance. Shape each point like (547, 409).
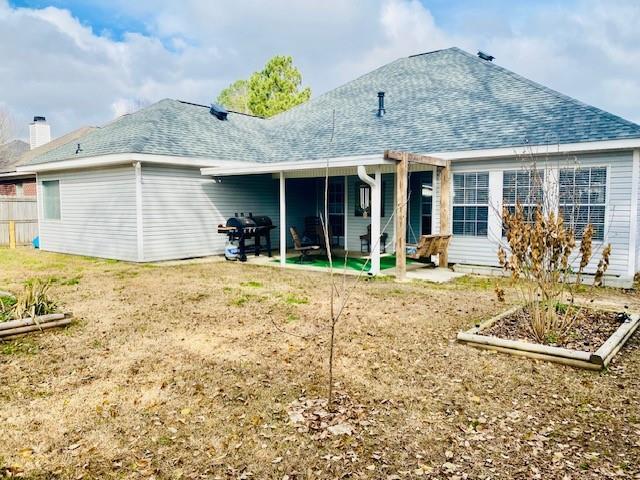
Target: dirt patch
(589, 331)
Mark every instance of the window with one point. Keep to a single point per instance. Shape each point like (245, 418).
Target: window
(51, 199)
(470, 203)
(582, 199)
(524, 188)
(363, 200)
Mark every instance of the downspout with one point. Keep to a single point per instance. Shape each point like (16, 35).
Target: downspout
(375, 183)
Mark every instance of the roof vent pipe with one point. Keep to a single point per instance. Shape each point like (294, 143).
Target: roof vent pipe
(381, 110)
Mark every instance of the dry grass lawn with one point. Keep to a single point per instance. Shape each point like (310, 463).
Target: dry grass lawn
(179, 372)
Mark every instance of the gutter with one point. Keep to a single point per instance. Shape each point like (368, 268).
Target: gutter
(124, 159)
(18, 175)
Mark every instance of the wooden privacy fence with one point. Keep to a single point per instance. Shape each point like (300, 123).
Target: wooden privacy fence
(19, 215)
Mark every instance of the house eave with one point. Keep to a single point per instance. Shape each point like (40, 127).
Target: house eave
(17, 175)
(255, 168)
(540, 150)
(124, 159)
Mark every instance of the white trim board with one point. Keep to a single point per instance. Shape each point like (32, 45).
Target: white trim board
(139, 215)
(633, 224)
(540, 150)
(124, 158)
(255, 168)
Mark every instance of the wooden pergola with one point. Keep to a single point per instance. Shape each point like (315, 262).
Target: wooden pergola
(402, 172)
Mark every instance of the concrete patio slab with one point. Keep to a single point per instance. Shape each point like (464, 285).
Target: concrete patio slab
(434, 275)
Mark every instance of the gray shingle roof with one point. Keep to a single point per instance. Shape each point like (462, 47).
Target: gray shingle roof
(11, 155)
(446, 100)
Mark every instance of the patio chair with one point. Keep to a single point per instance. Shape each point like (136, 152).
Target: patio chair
(429, 245)
(314, 233)
(365, 241)
(299, 247)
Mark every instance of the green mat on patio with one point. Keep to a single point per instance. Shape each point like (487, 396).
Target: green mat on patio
(352, 262)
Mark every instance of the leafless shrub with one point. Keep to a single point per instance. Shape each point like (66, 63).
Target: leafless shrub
(539, 263)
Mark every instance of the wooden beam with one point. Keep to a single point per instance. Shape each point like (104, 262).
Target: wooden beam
(415, 158)
(445, 211)
(402, 169)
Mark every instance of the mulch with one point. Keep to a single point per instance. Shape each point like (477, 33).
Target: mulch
(590, 330)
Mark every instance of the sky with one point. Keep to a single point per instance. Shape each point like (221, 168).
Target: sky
(82, 62)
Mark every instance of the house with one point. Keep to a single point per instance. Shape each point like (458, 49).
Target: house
(12, 183)
(18, 153)
(154, 185)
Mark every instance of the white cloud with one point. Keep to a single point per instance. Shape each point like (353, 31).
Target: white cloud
(54, 65)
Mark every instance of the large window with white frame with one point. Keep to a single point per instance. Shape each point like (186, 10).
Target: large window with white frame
(524, 188)
(51, 199)
(470, 203)
(582, 199)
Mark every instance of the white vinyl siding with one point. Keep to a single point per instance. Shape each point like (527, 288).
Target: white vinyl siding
(182, 209)
(97, 213)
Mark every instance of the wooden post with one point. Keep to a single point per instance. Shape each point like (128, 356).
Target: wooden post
(402, 169)
(283, 221)
(445, 211)
(12, 234)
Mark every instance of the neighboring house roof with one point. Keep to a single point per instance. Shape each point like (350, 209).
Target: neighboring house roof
(447, 100)
(10, 154)
(68, 140)
(27, 155)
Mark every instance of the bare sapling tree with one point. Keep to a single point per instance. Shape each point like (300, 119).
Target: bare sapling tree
(547, 251)
(341, 289)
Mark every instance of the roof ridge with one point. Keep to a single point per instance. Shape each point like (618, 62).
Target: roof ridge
(316, 99)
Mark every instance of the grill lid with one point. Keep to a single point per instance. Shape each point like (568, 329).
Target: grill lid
(241, 222)
(262, 220)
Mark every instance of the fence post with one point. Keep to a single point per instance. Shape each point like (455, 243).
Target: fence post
(12, 234)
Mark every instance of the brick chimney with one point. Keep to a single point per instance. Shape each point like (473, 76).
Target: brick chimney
(39, 132)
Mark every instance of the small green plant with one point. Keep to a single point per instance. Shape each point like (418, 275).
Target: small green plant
(551, 338)
(292, 299)
(19, 347)
(252, 284)
(240, 300)
(71, 281)
(6, 308)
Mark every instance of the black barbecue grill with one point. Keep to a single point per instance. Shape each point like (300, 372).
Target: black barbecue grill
(256, 228)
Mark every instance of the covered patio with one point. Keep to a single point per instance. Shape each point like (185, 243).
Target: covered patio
(376, 205)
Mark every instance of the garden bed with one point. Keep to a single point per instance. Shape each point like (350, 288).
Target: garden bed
(593, 340)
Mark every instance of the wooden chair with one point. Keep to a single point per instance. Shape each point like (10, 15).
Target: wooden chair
(302, 249)
(429, 245)
(365, 241)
